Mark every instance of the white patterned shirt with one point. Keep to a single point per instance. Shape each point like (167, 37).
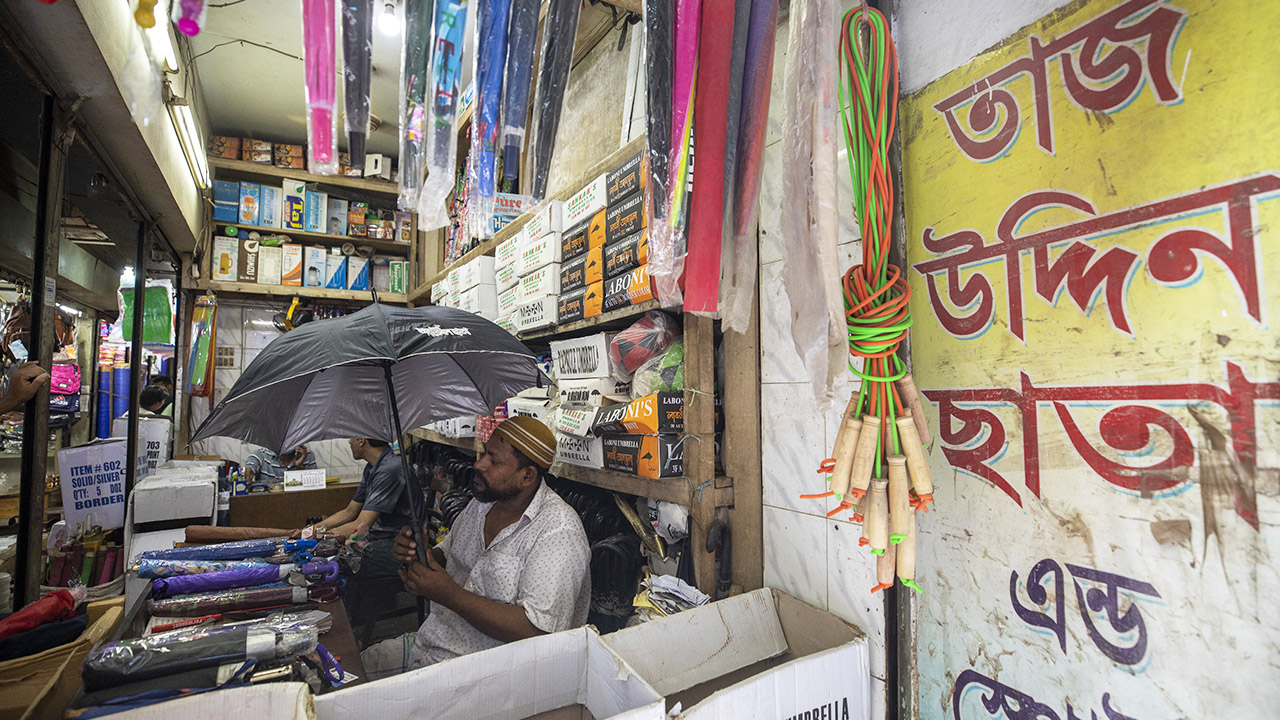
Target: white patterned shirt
(541, 562)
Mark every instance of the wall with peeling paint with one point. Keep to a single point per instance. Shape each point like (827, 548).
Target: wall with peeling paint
(1090, 206)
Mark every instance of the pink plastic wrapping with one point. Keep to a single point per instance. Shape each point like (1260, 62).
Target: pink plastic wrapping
(319, 46)
(810, 225)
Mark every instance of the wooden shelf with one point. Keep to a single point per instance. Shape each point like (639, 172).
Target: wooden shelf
(487, 247)
(332, 240)
(223, 286)
(578, 326)
(472, 444)
(376, 187)
(674, 490)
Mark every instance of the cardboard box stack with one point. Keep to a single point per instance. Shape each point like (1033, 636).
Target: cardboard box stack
(477, 293)
(537, 267)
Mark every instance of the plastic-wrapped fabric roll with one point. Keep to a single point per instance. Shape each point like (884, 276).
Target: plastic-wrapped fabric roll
(159, 655)
(522, 35)
(222, 551)
(319, 42)
(558, 34)
(104, 402)
(119, 392)
(658, 63)
(203, 582)
(149, 569)
(491, 57)
(226, 601)
(441, 127)
(357, 69)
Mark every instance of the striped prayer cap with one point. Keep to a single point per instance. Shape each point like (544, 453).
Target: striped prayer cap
(529, 436)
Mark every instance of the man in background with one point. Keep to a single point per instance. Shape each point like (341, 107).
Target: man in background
(264, 466)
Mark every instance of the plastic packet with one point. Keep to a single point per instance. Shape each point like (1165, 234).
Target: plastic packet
(357, 70)
(415, 67)
(149, 569)
(490, 59)
(441, 132)
(140, 85)
(189, 15)
(810, 227)
(201, 582)
(738, 283)
(319, 50)
(559, 31)
(219, 601)
(159, 655)
(661, 373)
(522, 35)
(647, 337)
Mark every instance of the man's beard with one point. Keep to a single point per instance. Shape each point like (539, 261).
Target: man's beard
(490, 495)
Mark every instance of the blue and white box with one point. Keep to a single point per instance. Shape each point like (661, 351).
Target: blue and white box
(226, 200)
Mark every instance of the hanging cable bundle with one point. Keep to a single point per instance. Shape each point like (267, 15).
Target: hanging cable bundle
(878, 469)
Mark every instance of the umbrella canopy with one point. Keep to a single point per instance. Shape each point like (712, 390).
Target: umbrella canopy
(329, 378)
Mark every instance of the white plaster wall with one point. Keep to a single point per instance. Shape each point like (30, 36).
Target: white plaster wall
(935, 37)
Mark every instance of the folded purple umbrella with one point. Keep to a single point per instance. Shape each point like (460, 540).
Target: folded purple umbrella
(187, 584)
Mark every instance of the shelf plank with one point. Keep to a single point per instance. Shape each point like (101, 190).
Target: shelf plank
(487, 247)
(306, 292)
(472, 444)
(675, 490)
(332, 240)
(376, 187)
(578, 326)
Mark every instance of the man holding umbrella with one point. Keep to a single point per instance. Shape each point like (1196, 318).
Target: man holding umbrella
(515, 564)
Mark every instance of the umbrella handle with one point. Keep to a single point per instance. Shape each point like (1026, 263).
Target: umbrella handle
(410, 480)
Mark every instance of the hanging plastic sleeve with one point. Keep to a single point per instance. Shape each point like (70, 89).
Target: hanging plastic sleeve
(738, 288)
(491, 58)
(475, 203)
(558, 35)
(811, 272)
(667, 241)
(420, 37)
(521, 42)
(357, 68)
(319, 50)
(441, 129)
(658, 41)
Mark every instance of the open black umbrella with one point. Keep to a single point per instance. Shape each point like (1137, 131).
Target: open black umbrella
(371, 374)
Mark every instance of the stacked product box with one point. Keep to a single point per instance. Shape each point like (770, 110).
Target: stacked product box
(537, 267)
(643, 436)
(626, 239)
(587, 386)
(477, 293)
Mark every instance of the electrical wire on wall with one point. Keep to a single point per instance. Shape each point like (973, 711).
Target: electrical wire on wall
(878, 469)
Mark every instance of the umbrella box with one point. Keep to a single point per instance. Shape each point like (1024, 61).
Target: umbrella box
(588, 201)
(548, 217)
(574, 422)
(477, 272)
(759, 654)
(624, 219)
(536, 253)
(540, 283)
(507, 300)
(588, 234)
(593, 392)
(571, 305)
(628, 289)
(480, 300)
(626, 254)
(656, 413)
(583, 270)
(584, 357)
(506, 276)
(507, 322)
(626, 179)
(505, 253)
(651, 456)
(561, 676)
(538, 408)
(536, 314)
(580, 451)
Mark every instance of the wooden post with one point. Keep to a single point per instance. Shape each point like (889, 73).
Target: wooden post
(741, 450)
(56, 136)
(700, 446)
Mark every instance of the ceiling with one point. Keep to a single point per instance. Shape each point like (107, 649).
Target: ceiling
(254, 88)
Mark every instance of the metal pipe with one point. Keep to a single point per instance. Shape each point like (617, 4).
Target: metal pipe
(135, 356)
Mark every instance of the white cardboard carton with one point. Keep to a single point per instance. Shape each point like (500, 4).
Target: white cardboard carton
(536, 314)
(540, 283)
(593, 392)
(764, 654)
(535, 253)
(584, 452)
(481, 300)
(532, 407)
(270, 264)
(507, 301)
(175, 494)
(505, 254)
(587, 202)
(277, 700)
(507, 322)
(476, 272)
(547, 218)
(506, 275)
(570, 674)
(574, 422)
(584, 357)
